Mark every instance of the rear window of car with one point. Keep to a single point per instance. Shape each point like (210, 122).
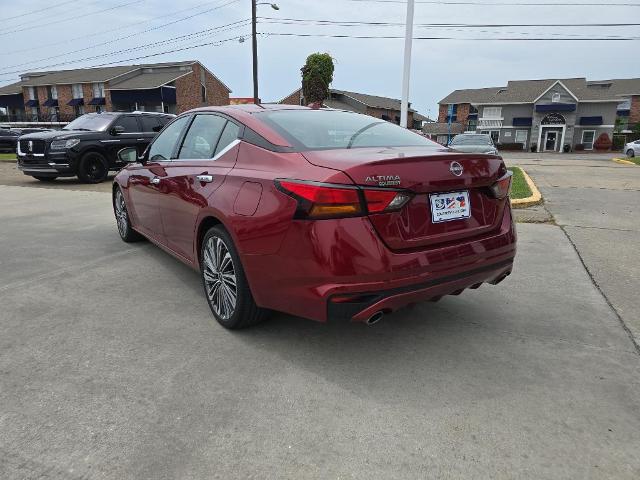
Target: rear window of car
(149, 123)
(471, 140)
(332, 129)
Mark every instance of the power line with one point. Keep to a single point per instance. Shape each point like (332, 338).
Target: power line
(460, 25)
(50, 18)
(449, 38)
(38, 10)
(72, 18)
(111, 30)
(190, 36)
(505, 4)
(447, 27)
(135, 34)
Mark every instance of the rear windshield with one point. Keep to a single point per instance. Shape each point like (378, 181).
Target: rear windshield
(472, 140)
(331, 129)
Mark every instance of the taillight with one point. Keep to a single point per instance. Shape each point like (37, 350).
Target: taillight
(384, 200)
(502, 187)
(326, 200)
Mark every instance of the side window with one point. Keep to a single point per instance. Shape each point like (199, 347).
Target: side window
(229, 134)
(202, 137)
(149, 123)
(164, 145)
(129, 123)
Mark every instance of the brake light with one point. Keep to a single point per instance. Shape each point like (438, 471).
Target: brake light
(326, 200)
(502, 187)
(384, 200)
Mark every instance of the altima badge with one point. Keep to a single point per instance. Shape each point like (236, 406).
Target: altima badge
(456, 169)
(384, 180)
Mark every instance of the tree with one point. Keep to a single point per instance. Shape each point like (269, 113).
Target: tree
(317, 75)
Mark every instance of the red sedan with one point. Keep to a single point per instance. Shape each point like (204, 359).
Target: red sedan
(324, 214)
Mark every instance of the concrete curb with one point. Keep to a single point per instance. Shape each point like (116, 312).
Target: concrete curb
(623, 161)
(534, 199)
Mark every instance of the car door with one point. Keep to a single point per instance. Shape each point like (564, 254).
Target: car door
(208, 152)
(146, 181)
(130, 136)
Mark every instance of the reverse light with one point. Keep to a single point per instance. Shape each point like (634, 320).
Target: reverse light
(318, 200)
(502, 187)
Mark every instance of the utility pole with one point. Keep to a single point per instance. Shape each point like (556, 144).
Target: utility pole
(406, 73)
(254, 42)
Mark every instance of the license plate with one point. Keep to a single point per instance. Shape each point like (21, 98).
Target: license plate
(450, 206)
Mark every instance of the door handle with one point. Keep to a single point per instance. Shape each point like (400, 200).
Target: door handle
(155, 181)
(140, 139)
(205, 178)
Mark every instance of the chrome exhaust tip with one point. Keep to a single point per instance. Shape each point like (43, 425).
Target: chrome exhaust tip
(375, 318)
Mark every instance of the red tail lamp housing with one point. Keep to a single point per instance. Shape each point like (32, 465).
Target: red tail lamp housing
(502, 187)
(317, 200)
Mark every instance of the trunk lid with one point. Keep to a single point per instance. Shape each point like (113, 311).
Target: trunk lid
(424, 172)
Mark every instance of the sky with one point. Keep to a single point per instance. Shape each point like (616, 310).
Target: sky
(39, 34)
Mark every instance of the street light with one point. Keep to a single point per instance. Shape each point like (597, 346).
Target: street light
(254, 38)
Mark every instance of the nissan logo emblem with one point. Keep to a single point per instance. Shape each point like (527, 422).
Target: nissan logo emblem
(456, 169)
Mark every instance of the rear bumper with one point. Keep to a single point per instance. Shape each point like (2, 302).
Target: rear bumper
(341, 269)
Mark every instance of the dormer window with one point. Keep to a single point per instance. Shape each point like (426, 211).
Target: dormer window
(555, 98)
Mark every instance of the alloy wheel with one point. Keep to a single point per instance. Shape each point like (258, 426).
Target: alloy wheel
(220, 278)
(121, 214)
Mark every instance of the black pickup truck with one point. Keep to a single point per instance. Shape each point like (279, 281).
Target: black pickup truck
(87, 147)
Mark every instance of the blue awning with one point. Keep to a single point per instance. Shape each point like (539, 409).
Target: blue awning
(522, 121)
(556, 107)
(623, 113)
(12, 101)
(76, 101)
(52, 102)
(590, 120)
(161, 94)
(31, 103)
(97, 101)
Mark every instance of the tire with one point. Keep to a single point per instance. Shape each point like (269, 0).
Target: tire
(44, 179)
(631, 153)
(93, 168)
(127, 233)
(219, 266)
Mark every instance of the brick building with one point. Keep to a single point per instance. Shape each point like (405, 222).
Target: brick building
(549, 114)
(63, 95)
(375, 106)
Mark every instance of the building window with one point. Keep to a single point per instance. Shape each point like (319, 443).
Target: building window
(98, 90)
(473, 125)
(521, 136)
(78, 110)
(588, 137)
(32, 93)
(492, 112)
(98, 108)
(76, 90)
(555, 98)
(494, 134)
(34, 114)
(203, 93)
(53, 92)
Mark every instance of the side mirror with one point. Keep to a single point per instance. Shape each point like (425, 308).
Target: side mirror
(128, 155)
(117, 130)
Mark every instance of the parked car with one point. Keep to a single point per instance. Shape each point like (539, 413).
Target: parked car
(473, 143)
(9, 137)
(324, 214)
(632, 149)
(88, 146)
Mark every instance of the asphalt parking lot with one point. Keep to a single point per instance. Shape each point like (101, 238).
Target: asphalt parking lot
(112, 367)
